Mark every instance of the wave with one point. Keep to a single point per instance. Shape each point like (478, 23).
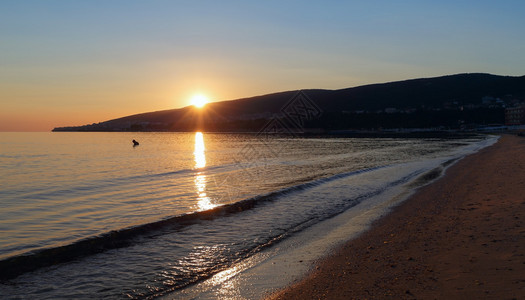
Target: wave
(14, 266)
(17, 265)
(49, 193)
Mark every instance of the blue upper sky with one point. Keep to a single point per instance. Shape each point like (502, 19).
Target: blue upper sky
(104, 59)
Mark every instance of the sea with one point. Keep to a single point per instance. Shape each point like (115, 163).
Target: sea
(88, 215)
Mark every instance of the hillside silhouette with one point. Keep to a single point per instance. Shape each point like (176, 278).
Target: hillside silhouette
(451, 102)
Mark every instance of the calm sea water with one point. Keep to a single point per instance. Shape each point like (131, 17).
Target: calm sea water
(89, 215)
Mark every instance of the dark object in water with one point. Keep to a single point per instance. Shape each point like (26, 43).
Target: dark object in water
(135, 143)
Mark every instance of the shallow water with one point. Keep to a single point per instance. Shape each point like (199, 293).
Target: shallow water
(143, 221)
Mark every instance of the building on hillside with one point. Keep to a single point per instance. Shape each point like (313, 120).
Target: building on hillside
(515, 115)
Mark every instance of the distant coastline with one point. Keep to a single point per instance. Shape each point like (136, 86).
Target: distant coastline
(359, 134)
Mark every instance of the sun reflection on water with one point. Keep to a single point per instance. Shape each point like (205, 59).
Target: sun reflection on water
(200, 157)
(204, 202)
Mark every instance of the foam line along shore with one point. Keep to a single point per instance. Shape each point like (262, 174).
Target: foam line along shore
(458, 238)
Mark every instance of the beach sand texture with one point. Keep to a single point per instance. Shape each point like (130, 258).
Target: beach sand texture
(461, 237)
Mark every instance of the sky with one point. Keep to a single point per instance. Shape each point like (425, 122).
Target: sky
(79, 62)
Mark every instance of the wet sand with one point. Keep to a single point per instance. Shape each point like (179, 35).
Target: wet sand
(461, 237)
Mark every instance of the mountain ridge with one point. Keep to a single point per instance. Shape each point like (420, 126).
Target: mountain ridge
(405, 99)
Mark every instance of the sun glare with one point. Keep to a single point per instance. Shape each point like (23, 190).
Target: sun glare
(199, 100)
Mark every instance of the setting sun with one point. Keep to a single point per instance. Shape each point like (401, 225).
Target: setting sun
(199, 100)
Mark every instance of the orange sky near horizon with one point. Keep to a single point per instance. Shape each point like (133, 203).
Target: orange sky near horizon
(81, 62)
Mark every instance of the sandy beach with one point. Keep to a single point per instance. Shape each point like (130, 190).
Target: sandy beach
(461, 237)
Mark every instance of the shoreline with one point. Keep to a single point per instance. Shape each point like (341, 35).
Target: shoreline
(458, 238)
(277, 267)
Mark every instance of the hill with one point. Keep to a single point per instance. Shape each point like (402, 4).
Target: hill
(450, 101)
